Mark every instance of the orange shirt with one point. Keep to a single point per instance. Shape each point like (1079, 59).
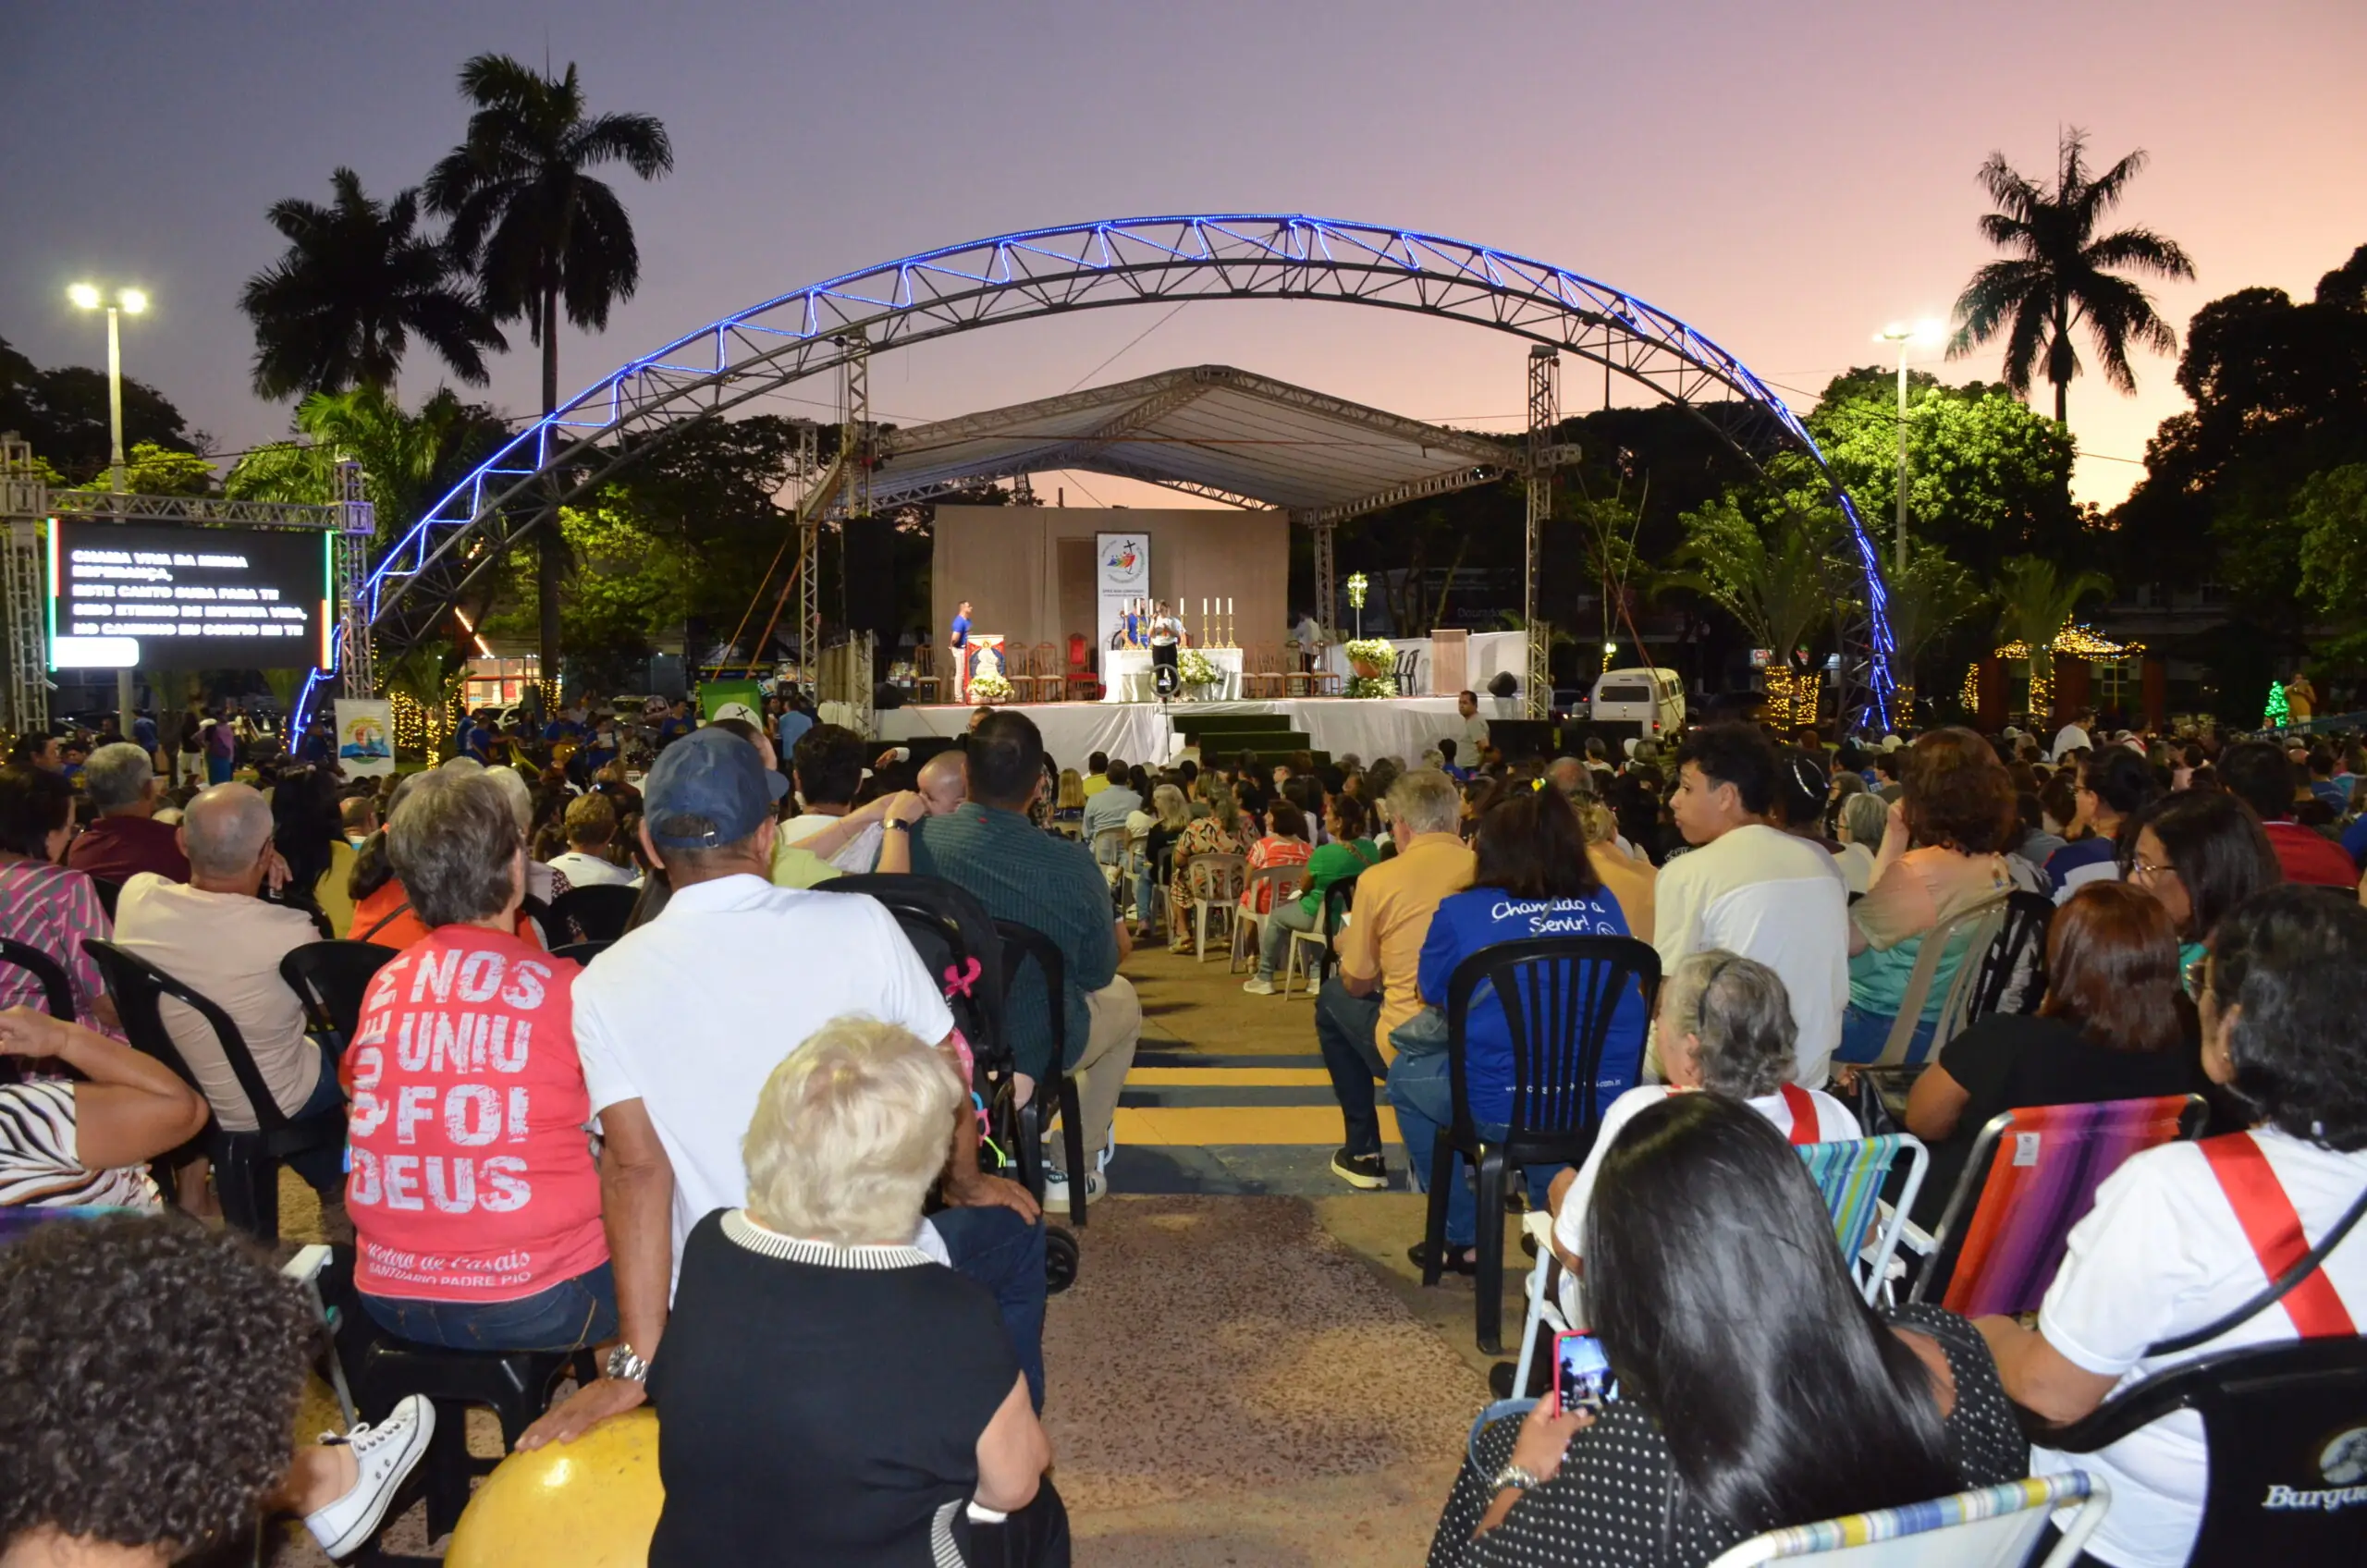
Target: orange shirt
(1392, 919)
(387, 918)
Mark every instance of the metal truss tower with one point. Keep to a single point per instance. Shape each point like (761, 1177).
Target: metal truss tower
(20, 579)
(357, 668)
(1544, 413)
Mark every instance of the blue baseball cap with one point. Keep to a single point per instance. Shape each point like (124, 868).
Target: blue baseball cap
(713, 773)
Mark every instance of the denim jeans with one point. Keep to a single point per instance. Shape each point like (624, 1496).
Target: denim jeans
(322, 1169)
(1274, 936)
(1424, 1100)
(1145, 894)
(1004, 1252)
(1864, 1034)
(1343, 1030)
(568, 1316)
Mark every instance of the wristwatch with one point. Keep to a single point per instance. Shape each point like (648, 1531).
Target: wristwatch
(1520, 1480)
(898, 824)
(623, 1364)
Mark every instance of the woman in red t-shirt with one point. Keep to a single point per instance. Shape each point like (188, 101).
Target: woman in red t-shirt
(1284, 844)
(474, 1199)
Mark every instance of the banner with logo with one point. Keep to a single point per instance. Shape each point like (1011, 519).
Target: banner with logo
(365, 736)
(731, 699)
(1120, 574)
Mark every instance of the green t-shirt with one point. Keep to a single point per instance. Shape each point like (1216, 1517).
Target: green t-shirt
(1333, 863)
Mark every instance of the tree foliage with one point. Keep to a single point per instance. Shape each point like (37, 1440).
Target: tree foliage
(1776, 568)
(2035, 602)
(2280, 395)
(2063, 274)
(339, 309)
(63, 412)
(407, 460)
(1987, 478)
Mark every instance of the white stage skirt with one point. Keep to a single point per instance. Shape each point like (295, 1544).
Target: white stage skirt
(1402, 726)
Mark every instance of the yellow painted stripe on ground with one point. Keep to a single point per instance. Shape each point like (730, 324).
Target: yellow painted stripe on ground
(1204, 1125)
(1230, 1077)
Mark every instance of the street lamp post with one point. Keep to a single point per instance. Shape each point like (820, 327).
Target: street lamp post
(127, 302)
(1898, 332)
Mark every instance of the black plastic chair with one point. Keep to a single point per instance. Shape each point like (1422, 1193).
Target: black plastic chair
(582, 952)
(246, 1165)
(2286, 1430)
(58, 991)
(597, 912)
(2018, 952)
(1560, 995)
(539, 912)
(330, 979)
(381, 1370)
(958, 943)
(108, 890)
(1022, 945)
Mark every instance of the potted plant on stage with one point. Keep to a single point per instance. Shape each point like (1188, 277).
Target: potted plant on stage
(990, 686)
(1373, 662)
(1197, 674)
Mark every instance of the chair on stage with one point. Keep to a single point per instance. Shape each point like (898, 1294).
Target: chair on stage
(1080, 685)
(1047, 673)
(1409, 667)
(1262, 675)
(927, 685)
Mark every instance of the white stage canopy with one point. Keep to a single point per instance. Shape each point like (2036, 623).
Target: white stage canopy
(1206, 430)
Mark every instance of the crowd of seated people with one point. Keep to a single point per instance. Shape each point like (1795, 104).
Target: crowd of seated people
(792, 1154)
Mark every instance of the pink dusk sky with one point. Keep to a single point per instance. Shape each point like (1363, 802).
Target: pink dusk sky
(1785, 178)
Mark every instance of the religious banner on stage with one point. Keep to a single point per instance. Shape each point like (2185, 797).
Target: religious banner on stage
(1120, 575)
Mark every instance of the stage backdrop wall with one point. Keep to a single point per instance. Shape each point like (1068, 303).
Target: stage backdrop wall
(1015, 566)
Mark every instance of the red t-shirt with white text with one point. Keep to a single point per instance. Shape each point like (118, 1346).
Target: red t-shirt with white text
(473, 1179)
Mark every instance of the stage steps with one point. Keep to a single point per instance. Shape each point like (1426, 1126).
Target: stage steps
(1223, 737)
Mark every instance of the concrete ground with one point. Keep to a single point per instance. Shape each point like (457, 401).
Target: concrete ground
(1248, 1370)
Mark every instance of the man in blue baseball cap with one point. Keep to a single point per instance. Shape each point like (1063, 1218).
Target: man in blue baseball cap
(679, 1024)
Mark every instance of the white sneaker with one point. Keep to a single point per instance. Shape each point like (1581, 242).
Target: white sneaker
(385, 1454)
(1056, 1190)
(1259, 986)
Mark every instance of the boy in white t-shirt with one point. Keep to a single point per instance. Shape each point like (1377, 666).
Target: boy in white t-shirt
(2163, 1252)
(1726, 1026)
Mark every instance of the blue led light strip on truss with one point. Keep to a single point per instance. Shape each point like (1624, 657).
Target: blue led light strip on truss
(1055, 271)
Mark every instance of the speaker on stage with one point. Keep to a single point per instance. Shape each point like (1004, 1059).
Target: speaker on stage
(869, 562)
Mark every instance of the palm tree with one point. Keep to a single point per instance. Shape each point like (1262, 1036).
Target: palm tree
(2035, 603)
(1780, 580)
(540, 232)
(338, 309)
(407, 458)
(1930, 596)
(2063, 274)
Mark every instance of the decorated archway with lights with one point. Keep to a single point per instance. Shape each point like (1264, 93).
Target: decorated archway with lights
(838, 326)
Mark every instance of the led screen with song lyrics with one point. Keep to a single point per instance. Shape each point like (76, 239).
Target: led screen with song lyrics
(162, 595)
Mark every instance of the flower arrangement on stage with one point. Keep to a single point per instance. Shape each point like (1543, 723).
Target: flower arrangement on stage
(1195, 668)
(988, 686)
(1374, 666)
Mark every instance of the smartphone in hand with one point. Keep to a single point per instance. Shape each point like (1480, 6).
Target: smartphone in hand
(1582, 1378)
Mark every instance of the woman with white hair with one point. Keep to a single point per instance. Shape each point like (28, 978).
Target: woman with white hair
(1725, 1027)
(826, 1393)
(1863, 819)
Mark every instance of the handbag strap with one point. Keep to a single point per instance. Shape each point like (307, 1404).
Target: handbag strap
(399, 912)
(2274, 1229)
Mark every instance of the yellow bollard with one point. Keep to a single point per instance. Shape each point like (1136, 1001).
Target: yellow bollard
(591, 1504)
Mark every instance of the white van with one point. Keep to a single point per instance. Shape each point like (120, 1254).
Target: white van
(1645, 704)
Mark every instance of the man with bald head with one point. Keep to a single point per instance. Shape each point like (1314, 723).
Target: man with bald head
(1569, 776)
(217, 937)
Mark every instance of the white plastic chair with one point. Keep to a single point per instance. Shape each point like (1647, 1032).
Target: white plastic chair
(304, 1269)
(1994, 1527)
(1968, 933)
(1270, 884)
(1214, 881)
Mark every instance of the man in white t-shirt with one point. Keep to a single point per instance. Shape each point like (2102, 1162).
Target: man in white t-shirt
(1752, 890)
(827, 764)
(684, 1019)
(2073, 735)
(2163, 1252)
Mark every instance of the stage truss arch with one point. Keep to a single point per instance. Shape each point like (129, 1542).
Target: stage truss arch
(838, 324)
